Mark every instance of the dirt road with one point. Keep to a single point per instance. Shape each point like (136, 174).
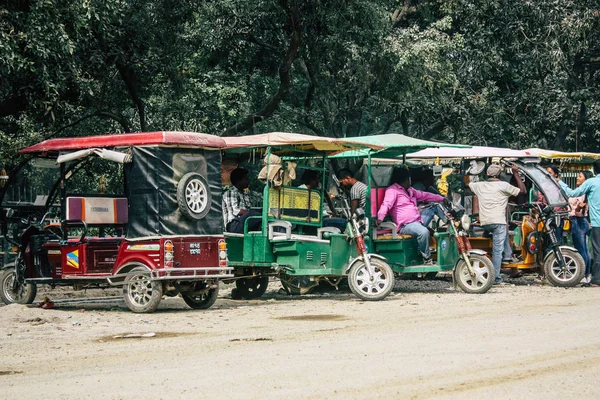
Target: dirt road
(515, 342)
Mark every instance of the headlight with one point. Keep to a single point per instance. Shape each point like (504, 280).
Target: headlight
(465, 221)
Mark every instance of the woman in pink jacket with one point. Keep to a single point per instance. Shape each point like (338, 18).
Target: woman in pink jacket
(400, 202)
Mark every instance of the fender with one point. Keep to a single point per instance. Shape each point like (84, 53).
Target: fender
(8, 266)
(357, 259)
(134, 262)
(478, 251)
(560, 247)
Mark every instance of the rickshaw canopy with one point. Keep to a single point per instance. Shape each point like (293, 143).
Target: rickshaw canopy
(391, 145)
(564, 157)
(172, 138)
(294, 141)
(447, 154)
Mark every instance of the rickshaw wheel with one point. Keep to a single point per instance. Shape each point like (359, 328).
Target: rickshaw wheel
(484, 274)
(141, 294)
(297, 285)
(201, 301)
(193, 196)
(252, 288)
(371, 288)
(569, 277)
(24, 294)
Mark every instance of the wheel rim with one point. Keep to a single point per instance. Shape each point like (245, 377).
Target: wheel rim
(568, 272)
(372, 285)
(140, 290)
(481, 278)
(13, 296)
(196, 196)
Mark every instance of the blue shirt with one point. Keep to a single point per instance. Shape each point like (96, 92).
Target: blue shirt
(591, 187)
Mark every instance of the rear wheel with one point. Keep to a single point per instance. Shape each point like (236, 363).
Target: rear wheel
(252, 288)
(12, 291)
(141, 294)
(483, 279)
(297, 285)
(201, 300)
(568, 276)
(371, 287)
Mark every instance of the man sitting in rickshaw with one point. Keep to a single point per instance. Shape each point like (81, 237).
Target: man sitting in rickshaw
(400, 202)
(237, 204)
(493, 196)
(358, 190)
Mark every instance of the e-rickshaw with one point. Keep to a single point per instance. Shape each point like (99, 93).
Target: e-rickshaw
(471, 269)
(292, 242)
(153, 225)
(301, 260)
(533, 225)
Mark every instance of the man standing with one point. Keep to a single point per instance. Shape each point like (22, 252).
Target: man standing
(236, 204)
(401, 202)
(493, 196)
(358, 190)
(591, 188)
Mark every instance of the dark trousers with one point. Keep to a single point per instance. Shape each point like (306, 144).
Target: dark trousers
(595, 236)
(580, 228)
(237, 225)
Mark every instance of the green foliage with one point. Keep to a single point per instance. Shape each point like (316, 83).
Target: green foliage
(514, 74)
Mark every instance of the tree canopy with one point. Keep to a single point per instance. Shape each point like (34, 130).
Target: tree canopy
(487, 72)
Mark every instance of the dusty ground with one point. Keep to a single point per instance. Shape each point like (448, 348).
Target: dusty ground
(425, 341)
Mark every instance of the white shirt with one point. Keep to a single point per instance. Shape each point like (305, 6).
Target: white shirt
(493, 199)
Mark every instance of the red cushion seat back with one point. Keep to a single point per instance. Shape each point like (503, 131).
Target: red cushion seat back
(377, 195)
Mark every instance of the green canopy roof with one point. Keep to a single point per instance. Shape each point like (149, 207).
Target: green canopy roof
(393, 144)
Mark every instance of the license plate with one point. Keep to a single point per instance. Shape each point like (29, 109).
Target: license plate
(194, 248)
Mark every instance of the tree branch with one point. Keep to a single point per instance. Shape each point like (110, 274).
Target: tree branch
(285, 78)
(400, 14)
(388, 125)
(434, 129)
(128, 75)
(121, 120)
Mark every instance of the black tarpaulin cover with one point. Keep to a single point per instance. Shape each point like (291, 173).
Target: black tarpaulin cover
(152, 180)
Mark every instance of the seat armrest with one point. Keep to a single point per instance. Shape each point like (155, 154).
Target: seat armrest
(280, 224)
(386, 225)
(330, 229)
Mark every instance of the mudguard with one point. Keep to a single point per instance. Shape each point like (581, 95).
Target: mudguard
(357, 259)
(561, 247)
(478, 251)
(8, 266)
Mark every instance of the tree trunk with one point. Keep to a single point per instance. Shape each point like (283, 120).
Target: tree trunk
(285, 77)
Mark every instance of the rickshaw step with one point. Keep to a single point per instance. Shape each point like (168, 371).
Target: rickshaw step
(418, 268)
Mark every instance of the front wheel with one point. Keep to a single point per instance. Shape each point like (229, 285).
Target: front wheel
(371, 287)
(484, 276)
(568, 276)
(12, 291)
(201, 300)
(141, 294)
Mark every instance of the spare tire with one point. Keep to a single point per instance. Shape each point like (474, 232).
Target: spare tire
(193, 196)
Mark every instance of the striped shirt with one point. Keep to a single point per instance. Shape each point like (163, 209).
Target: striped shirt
(358, 191)
(234, 200)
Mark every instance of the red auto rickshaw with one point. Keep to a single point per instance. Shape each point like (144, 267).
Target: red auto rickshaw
(150, 223)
